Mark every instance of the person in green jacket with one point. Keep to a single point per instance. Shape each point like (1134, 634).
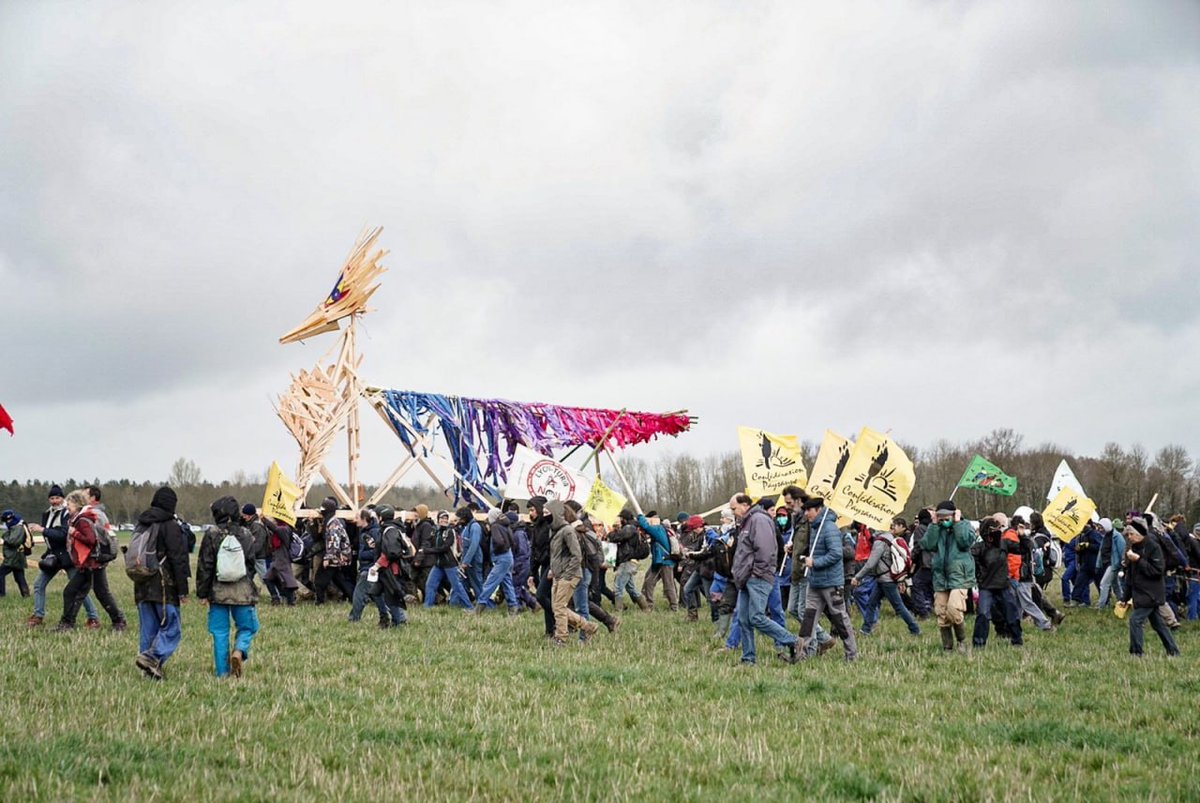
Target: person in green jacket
(949, 540)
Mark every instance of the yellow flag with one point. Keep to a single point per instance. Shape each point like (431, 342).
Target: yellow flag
(771, 462)
(830, 462)
(603, 503)
(876, 482)
(279, 502)
(1066, 515)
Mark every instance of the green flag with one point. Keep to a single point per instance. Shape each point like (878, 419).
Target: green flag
(983, 476)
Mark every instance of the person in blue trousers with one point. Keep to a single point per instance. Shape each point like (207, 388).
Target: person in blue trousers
(445, 567)
(472, 551)
(754, 570)
(500, 577)
(229, 588)
(158, 597)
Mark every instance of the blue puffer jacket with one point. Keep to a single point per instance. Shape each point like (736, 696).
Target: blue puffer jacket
(368, 546)
(660, 546)
(826, 540)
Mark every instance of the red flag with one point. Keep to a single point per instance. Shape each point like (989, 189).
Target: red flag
(5, 420)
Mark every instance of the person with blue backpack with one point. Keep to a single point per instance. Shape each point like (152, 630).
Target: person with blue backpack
(225, 580)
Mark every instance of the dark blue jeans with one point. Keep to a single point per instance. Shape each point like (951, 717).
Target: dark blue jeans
(892, 594)
(988, 599)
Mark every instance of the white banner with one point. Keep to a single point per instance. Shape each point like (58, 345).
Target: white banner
(532, 474)
(1064, 478)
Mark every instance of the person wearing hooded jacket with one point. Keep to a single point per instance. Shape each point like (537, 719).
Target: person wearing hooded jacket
(280, 578)
(500, 577)
(521, 556)
(877, 566)
(471, 563)
(15, 537)
(158, 598)
(445, 568)
(626, 539)
(1144, 587)
(949, 541)
(565, 573)
(228, 599)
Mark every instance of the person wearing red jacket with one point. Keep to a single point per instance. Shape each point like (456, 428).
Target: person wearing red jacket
(81, 545)
(1018, 546)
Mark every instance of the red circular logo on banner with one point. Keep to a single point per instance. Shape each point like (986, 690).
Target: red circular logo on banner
(550, 480)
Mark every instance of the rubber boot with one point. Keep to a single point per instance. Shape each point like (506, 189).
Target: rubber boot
(960, 635)
(721, 626)
(947, 638)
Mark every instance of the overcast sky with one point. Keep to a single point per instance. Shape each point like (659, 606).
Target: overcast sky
(938, 218)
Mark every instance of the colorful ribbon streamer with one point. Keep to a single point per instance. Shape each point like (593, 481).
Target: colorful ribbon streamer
(494, 428)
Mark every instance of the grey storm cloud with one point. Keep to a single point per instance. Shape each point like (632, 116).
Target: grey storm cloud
(788, 215)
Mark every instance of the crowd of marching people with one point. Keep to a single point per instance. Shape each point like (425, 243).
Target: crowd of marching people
(765, 561)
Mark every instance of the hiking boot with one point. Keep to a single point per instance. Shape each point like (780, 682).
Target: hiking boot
(588, 632)
(65, 627)
(384, 622)
(514, 610)
(644, 603)
(825, 647)
(33, 621)
(235, 663)
(613, 624)
(92, 624)
(149, 665)
(1057, 618)
(674, 609)
(276, 601)
(120, 626)
(693, 615)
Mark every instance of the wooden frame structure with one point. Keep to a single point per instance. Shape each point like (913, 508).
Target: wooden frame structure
(322, 402)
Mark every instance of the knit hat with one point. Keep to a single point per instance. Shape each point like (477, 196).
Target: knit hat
(55, 490)
(1139, 524)
(328, 504)
(695, 523)
(249, 510)
(493, 515)
(165, 499)
(727, 514)
(10, 517)
(1106, 525)
(625, 515)
(681, 517)
(946, 507)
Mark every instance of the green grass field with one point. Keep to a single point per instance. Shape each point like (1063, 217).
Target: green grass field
(455, 708)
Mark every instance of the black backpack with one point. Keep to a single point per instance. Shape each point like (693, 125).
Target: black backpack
(394, 546)
(641, 545)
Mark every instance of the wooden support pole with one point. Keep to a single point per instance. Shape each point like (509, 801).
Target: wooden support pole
(624, 482)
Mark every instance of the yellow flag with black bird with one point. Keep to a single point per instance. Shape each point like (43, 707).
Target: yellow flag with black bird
(279, 501)
(1067, 513)
(603, 503)
(829, 465)
(875, 483)
(771, 462)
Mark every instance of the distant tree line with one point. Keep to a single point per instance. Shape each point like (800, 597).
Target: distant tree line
(1118, 479)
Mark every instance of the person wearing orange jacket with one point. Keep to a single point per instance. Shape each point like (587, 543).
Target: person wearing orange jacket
(1018, 546)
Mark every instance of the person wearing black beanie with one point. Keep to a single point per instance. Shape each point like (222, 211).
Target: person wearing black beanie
(159, 595)
(225, 577)
(1144, 587)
